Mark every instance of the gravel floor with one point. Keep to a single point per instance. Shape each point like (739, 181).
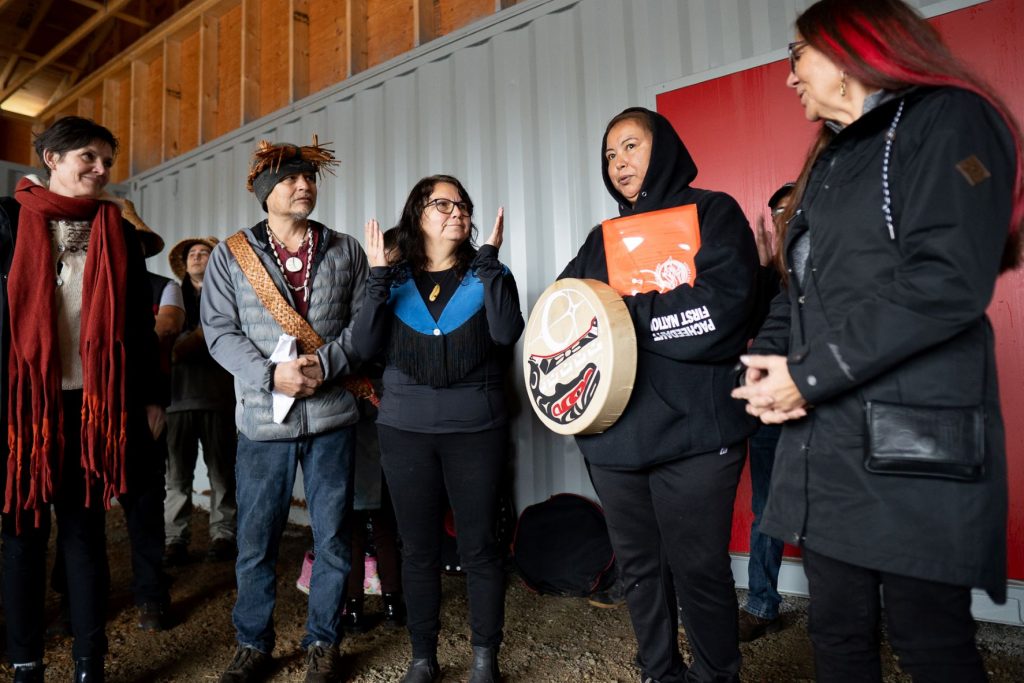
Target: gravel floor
(546, 639)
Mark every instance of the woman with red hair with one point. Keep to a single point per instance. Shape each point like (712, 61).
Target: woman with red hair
(879, 357)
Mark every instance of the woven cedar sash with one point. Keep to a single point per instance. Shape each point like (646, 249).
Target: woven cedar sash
(287, 317)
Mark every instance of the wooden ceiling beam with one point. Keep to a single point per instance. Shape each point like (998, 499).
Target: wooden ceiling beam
(23, 54)
(41, 9)
(154, 39)
(53, 55)
(123, 16)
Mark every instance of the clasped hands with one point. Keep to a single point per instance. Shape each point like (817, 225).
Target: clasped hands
(299, 378)
(769, 390)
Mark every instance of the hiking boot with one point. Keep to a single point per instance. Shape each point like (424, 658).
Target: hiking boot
(394, 610)
(249, 665)
(151, 617)
(485, 665)
(175, 555)
(323, 663)
(425, 670)
(753, 627)
(221, 550)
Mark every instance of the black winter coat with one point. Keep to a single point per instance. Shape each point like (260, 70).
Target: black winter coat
(680, 405)
(900, 321)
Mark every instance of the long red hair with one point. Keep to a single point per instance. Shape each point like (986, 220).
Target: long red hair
(886, 44)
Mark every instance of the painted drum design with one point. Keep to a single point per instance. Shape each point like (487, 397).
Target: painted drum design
(579, 357)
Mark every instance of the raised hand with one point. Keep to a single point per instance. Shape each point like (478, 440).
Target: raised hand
(497, 235)
(765, 242)
(375, 244)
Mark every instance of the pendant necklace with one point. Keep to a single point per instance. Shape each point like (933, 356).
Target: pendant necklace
(294, 264)
(436, 291)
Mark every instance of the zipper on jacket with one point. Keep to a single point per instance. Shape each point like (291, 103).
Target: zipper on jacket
(805, 449)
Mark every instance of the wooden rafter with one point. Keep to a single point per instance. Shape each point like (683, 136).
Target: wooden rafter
(41, 9)
(123, 16)
(186, 16)
(90, 25)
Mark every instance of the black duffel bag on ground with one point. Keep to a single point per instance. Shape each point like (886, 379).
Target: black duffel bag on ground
(561, 547)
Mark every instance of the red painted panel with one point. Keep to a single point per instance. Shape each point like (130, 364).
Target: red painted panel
(748, 135)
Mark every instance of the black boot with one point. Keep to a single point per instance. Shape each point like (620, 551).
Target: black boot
(394, 610)
(29, 673)
(485, 665)
(425, 670)
(354, 618)
(89, 670)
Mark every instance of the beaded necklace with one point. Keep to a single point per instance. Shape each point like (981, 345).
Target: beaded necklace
(294, 263)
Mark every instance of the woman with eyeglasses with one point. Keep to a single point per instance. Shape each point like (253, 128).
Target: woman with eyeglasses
(879, 361)
(446, 317)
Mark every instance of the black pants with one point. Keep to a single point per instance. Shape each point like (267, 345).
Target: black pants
(143, 507)
(81, 537)
(420, 468)
(929, 624)
(670, 527)
(144, 514)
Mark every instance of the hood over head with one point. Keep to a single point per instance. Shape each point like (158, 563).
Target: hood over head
(669, 173)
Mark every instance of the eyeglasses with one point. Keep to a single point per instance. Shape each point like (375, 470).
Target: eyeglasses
(793, 54)
(446, 206)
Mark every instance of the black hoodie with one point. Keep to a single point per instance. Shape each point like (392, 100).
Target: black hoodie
(680, 404)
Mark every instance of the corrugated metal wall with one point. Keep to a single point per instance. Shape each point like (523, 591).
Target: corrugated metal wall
(515, 106)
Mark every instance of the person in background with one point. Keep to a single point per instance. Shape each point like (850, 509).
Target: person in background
(879, 359)
(760, 614)
(201, 412)
(289, 274)
(81, 396)
(666, 471)
(445, 316)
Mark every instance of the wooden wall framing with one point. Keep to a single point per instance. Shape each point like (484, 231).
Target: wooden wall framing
(220, 64)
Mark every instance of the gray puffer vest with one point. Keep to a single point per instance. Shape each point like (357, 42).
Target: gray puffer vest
(242, 334)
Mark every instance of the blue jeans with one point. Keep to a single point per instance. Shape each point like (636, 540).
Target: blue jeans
(265, 476)
(765, 552)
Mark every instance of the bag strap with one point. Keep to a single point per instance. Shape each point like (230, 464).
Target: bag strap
(287, 317)
(270, 296)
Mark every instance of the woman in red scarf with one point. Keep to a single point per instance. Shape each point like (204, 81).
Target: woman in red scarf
(78, 362)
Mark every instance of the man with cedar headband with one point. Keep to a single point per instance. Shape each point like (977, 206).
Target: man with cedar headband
(277, 309)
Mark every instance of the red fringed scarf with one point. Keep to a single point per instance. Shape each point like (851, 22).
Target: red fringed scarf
(34, 413)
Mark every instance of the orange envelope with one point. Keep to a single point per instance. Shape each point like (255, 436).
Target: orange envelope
(653, 251)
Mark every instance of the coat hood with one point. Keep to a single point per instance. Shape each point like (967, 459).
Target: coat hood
(669, 173)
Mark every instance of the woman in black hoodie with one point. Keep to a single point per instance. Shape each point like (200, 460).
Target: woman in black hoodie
(666, 471)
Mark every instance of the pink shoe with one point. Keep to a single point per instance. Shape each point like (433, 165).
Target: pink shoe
(306, 574)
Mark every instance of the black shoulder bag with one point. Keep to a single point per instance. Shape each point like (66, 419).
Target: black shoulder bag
(921, 441)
